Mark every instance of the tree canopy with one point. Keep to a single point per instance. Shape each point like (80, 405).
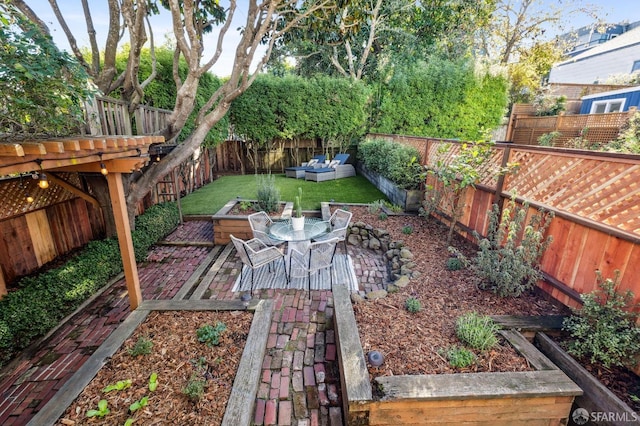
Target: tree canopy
(41, 87)
(360, 37)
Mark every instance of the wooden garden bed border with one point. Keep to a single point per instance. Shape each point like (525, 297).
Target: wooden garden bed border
(242, 399)
(596, 397)
(417, 394)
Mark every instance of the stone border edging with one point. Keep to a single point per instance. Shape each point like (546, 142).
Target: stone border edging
(256, 339)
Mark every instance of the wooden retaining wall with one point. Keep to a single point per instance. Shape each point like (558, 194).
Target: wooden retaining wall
(594, 195)
(540, 397)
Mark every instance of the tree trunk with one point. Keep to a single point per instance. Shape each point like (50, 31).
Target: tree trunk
(100, 190)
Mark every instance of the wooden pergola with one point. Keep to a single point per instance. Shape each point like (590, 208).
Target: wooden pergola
(118, 154)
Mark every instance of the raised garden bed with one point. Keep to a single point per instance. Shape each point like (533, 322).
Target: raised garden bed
(543, 396)
(230, 220)
(239, 405)
(409, 199)
(601, 405)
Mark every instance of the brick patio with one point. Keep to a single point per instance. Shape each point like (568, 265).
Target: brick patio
(300, 384)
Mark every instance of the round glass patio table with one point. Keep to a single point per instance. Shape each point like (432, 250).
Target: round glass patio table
(313, 228)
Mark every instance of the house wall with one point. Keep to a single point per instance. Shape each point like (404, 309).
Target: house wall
(596, 68)
(632, 99)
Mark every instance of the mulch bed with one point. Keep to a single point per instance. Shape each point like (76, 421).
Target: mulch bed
(176, 356)
(411, 342)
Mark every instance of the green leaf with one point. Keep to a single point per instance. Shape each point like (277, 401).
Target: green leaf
(153, 382)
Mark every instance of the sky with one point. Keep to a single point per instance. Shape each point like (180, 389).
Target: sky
(611, 11)
(161, 24)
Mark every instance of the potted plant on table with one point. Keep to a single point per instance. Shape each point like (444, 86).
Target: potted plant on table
(297, 220)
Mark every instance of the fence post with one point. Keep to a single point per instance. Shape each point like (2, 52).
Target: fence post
(559, 117)
(3, 284)
(497, 198)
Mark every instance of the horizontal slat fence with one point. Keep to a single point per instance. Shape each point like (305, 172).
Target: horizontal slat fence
(594, 195)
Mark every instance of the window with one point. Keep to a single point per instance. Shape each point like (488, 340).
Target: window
(609, 105)
(636, 66)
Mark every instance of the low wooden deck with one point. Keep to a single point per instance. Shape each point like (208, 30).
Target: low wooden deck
(275, 278)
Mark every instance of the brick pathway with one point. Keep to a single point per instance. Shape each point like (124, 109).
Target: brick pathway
(300, 382)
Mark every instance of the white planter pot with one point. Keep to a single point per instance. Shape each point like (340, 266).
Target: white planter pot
(297, 223)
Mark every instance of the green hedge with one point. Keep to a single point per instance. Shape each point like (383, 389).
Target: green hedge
(398, 163)
(44, 299)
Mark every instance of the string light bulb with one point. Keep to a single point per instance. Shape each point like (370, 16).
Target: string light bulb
(28, 197)
(158, 158)
(103, 168)
(43, 182)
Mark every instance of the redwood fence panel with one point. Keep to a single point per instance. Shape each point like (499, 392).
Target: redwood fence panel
(596, 200)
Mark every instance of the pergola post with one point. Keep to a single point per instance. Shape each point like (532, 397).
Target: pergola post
(119, 205)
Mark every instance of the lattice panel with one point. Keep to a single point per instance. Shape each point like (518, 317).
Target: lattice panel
(489, 171)
(605, 190)
(13, 193)
(600, 128)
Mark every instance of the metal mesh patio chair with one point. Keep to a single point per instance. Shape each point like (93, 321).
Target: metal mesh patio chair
(260, 223)
(317, 257)
(255, 254)
(338, 224)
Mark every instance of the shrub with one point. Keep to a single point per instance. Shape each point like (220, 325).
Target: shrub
(194, 390)
(507, 262)
(42, 300)
(454, 264)
(245, 205)
(407, 230)
(141, 347)
(413, 305)
(383, 216)
(547, 139)
(393, 207)
(477, 331)
(604, 329)
(459, 357)
(268, 194)
(396, 162)
(375, 206)
(210, 334)
(629, 138)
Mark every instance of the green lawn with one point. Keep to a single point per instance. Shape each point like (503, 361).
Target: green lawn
(212, 197)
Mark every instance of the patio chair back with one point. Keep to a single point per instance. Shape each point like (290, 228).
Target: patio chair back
(260, 223)
(317, 159)
(317, 256)
(339, 224)
(255, 254)
(342, 158)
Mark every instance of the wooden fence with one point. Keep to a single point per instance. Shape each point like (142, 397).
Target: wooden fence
(596, 200)
(525, 129)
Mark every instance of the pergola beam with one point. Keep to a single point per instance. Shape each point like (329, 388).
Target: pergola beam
(77, 191)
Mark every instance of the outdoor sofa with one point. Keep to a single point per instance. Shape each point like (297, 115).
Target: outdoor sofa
(298, 171)
(337, 169)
